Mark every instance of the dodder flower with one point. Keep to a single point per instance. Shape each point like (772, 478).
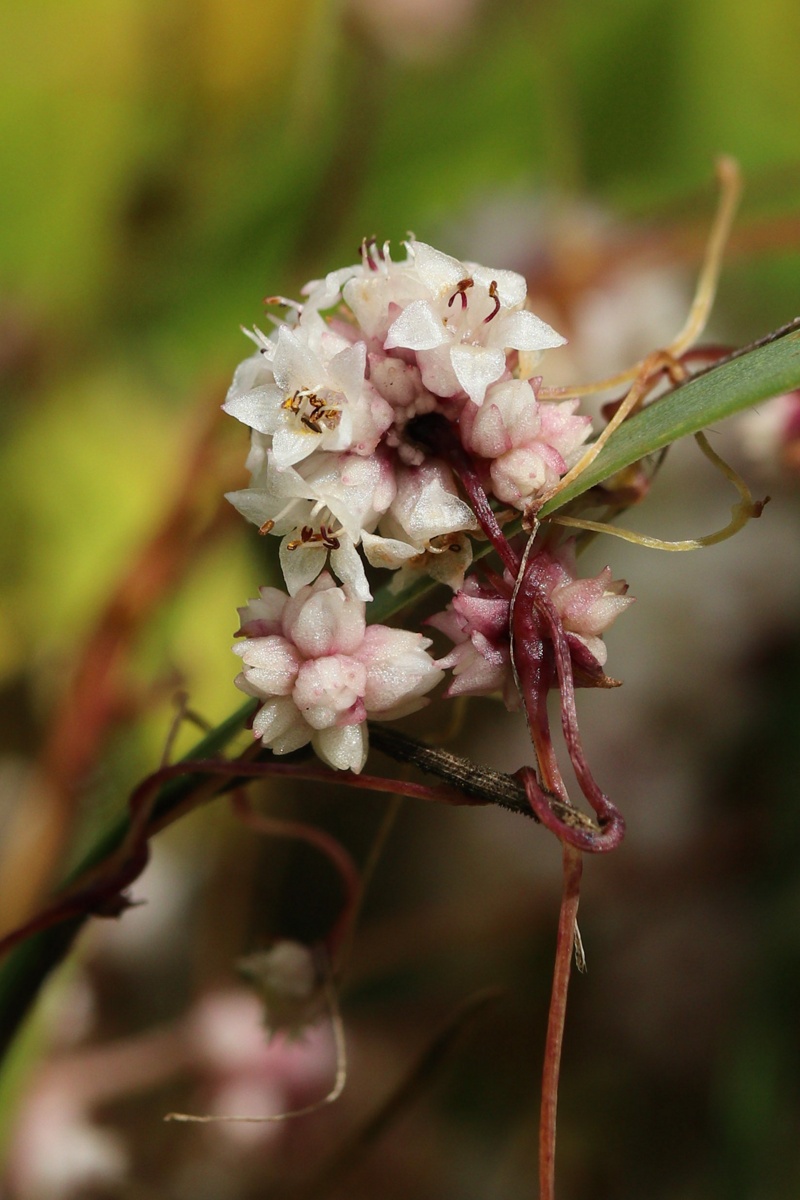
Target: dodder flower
(477, 622)
(330, 394)
(322, 672)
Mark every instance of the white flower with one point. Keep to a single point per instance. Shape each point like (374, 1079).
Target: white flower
(307, 402)
(324, 505)
(463, 328)
(325, 672)
(424, 527)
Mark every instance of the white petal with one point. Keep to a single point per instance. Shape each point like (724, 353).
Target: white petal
(259, 408)
(451, 564)
(241, 682)
(261, 616)
(399, 669)
(438, 271)
(476, 367)
(387, 552)
(325, 621)
(326, 689)
(294, 365)
(525, 331)
(355, 489)
(436, 512)
(511, 287)
(324, 293)
(280, 726)
(292, 444)
(346, 370)
(301, 565)
(417, 328)
(436, 370)
(347, 566)
(344, 748)
(253, 503)
(271, 664)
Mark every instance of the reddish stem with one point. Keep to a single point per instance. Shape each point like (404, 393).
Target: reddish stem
(535, 659)
(328, 845)
(98, 890)
(565, 942)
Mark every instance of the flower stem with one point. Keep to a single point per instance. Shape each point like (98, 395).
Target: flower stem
(565, 941)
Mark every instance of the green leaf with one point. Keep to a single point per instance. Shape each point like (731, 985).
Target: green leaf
(740, 382)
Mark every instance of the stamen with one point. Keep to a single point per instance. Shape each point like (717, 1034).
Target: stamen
(442, 542)
(493, 296)
(461, 290)
(329, 539)
(303, 540)
(266, 528)
(320, 409)
(283, 302)
(262, 342)
(366, 252)
(326, 538)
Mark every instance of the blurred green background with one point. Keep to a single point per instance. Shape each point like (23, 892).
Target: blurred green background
(163, 167)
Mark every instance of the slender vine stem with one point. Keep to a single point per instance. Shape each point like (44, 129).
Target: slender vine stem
(565, 942)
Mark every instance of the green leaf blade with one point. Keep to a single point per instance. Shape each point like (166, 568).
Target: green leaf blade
(722, 391)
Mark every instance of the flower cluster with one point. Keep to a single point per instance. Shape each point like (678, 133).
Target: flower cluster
(321, 671)
(394, 415)
(329, 398)
(477, 621)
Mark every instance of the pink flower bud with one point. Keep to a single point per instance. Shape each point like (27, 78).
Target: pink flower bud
(327, 672)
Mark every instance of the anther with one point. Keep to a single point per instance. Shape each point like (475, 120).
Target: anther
(493, 296)
(366, 249)
(306, 535)
(266, 528)
(461, 290)
(282, 302)
(328, 538)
